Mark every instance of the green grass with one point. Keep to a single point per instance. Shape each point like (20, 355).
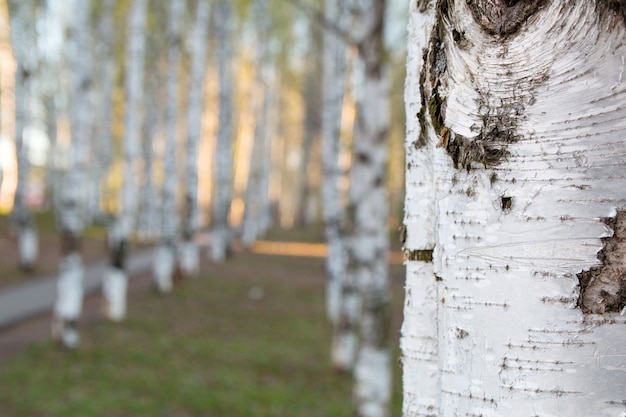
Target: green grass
(208, 349)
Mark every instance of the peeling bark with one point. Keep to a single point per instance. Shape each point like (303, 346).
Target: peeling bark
(603, 288)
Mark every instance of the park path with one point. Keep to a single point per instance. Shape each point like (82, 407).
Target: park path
(37, 296)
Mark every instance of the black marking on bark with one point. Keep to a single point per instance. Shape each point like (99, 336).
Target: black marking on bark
(506, 203)
(603, 288)
(503, 17)
(118, 254)
(418, 255)
(460, 333)
(608, 9)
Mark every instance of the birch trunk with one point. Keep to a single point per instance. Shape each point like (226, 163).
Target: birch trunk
(115, 279)
(104, 125)
(23, 41)
(369, 242)
(254, 189)
(72, 215)
(223, 163)
(189, 262)
(148, 221)
(339, 309)
(522, 120)
(165, 254)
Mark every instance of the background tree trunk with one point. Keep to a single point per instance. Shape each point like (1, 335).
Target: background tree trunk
(223, 162)
(165, 254)
(190, 260)
(343, 349)
(115, 280)
(23, 40)
(251, 228)
(72, 214)
(522, 117)
(369, 241)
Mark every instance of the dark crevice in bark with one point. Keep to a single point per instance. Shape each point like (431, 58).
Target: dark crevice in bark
(603, 288)
(607, 9)
(503, 17)
(419, 255)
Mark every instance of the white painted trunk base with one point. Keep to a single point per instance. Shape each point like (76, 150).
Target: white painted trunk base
(373, 382)
(114, 286)
(28, 247)
(163, 268)
(189, 258)
(70, 288)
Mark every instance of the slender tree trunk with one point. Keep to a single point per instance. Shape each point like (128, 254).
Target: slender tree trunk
(342, 311)
(223, 163)
(189, 262)
(116, 279)
(148, 221)
(23, 41)
(165, 254)
(103, 136)
(254, 188)
(71, 215)
(521, 116)
(312, 132)
(369, 242)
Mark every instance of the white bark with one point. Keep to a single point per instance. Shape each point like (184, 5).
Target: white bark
(528, 184)
(254, 189)
(419, 341)
(164, 270)
(22, 34)
(343, 350)
(190, 260)
(223, 162)
(120, 232)
(71, 213)
(369, 242)
(103, 145)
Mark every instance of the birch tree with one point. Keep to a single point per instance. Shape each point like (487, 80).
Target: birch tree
(515, 209)
(189, 262)
(255, 187)
(23, 40)
(165, 254)
(369, 243)
(103, 135)
(71, 210)
(115, 280)
(223, 163)
(342, 311)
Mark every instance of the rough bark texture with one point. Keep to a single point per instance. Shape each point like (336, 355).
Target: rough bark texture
(369, 242)
(190, 259)
(523, 133)
(222, 239)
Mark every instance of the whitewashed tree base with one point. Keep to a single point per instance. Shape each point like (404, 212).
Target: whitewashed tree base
(28, 247)
(114, 288)
(189, 259)
(163, 266)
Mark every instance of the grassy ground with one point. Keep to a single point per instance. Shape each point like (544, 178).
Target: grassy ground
(247, 338)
